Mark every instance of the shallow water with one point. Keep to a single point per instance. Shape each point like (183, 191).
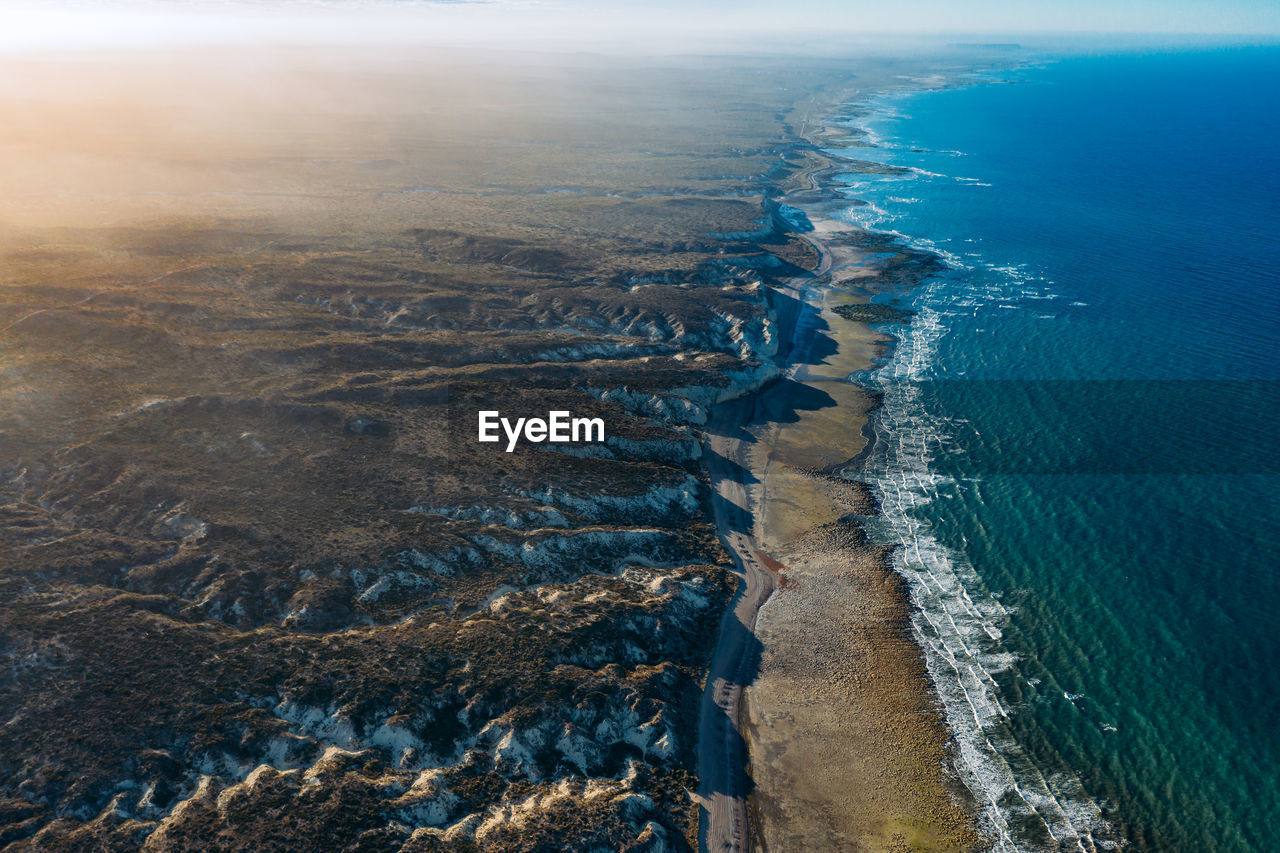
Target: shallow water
(1076, 448)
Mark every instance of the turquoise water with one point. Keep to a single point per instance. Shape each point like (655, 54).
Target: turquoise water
(1077, 448)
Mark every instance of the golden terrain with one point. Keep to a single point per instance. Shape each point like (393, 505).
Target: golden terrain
(257, 580)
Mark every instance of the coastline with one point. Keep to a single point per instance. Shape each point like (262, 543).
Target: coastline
(819, 679)
(1023, 586)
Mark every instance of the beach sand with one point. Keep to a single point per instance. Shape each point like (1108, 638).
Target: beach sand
(848, 748)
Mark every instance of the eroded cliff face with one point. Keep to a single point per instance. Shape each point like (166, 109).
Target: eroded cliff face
(258, 581)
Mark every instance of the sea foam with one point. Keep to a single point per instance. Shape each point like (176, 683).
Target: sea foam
(956, 620)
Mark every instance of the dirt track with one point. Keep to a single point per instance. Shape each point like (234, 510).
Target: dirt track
(734, 441)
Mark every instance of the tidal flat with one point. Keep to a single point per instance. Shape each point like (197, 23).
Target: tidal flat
(258, 581)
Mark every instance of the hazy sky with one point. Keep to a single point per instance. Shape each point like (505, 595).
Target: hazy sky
(645, 24)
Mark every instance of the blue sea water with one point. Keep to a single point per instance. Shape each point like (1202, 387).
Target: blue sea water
(1077, 445)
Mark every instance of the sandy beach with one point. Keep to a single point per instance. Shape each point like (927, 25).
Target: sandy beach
(847, 746)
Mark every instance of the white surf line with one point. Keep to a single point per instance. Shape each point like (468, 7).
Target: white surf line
(948, 610)
(950, 644)
(948, 597)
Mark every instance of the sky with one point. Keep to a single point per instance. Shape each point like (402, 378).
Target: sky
(635, 24)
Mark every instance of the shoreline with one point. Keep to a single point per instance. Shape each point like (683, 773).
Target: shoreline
(842, 728)
(1019, 803)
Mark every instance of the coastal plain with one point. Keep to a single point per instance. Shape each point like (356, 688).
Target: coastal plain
(258, 581)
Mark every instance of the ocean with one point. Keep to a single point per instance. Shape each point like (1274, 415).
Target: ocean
(1076, 447)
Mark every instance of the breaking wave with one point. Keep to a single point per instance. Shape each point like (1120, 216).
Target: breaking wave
(956, 620)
